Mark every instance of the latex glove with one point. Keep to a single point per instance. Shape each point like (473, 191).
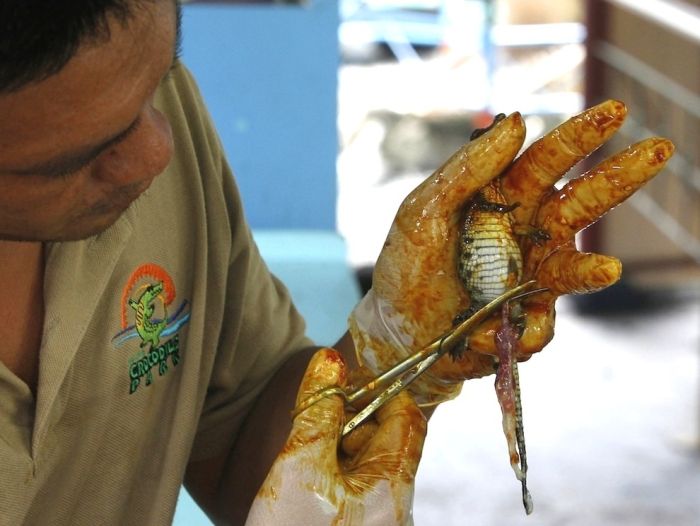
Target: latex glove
(313, 482)
(416, 292)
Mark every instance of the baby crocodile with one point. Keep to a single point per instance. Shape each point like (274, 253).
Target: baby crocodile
(489, 258)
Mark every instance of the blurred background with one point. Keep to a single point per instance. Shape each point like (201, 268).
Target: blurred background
(331, 111)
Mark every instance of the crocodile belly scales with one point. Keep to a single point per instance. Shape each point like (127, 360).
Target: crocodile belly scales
(490, 262)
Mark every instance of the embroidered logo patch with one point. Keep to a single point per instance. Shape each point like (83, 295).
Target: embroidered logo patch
(147, 299)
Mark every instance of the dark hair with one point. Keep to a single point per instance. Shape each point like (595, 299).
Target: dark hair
(38, 37)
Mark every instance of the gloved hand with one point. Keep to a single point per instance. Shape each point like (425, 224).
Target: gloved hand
(416, 291)
(314, 482)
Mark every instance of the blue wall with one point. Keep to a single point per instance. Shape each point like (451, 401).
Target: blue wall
(269, 76)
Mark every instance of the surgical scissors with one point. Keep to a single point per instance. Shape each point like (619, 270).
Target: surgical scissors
(405, 372)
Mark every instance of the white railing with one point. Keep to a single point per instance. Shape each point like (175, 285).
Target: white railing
(647, 88)
(679, 17)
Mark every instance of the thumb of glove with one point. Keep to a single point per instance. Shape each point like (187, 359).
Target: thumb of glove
(302, 486)
(317, 429)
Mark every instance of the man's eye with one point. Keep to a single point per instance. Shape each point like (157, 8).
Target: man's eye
(68, 171)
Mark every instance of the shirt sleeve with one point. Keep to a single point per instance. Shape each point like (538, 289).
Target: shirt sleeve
(260, 333)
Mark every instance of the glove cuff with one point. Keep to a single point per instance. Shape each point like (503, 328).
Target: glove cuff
(382, 338)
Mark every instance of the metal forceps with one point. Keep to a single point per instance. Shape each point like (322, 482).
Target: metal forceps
(405, 372)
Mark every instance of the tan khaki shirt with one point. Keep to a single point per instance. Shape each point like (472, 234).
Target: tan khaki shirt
(158, 335)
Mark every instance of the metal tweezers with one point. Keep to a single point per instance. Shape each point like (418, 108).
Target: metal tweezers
(405, 372)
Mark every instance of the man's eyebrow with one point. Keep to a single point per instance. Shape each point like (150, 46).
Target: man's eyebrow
(73, 161)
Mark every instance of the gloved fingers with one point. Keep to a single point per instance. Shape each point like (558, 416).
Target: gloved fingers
(358, 439)
(537, 332)
(441, 196)
(582, 201)
(320, 424)
(585, 199)
(395, 449)
(548, 159)
(568, 271)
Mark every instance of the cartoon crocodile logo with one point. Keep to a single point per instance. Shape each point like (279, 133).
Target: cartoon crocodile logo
(148, 330)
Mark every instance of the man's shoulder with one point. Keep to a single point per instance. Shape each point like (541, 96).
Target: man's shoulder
(197, 145)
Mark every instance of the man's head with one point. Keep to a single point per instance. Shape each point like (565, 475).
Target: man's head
(79, 136)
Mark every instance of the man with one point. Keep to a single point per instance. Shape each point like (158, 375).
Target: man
(144, 341)
(139, 325)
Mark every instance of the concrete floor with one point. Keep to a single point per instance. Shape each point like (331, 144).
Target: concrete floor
(611, 422)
